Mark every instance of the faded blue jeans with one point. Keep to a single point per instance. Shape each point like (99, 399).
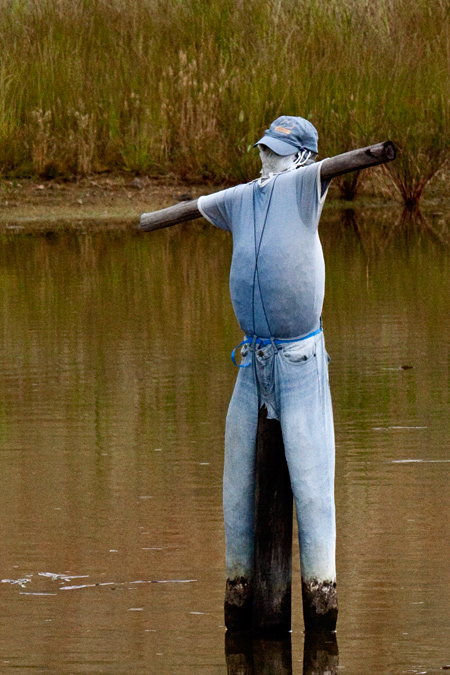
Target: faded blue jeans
(291, 379)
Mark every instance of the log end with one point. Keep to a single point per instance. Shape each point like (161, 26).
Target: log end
(390, 151)
(381, 153)
(143, 222)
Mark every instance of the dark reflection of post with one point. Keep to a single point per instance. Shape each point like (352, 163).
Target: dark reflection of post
(238, 653)
(249, 655)
(320, 654)
(272, 657)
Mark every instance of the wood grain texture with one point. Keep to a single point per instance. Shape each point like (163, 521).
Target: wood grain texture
(273, 531)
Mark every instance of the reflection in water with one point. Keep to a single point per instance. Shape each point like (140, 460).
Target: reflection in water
(248, 655)
(411, 229)
(321, 654)
(115, 376)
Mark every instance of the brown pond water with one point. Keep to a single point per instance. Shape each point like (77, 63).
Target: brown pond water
(115, 375)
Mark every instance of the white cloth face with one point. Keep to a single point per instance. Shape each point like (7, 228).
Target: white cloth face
(273, 163)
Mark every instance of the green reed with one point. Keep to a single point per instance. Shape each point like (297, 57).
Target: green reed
(187, 86)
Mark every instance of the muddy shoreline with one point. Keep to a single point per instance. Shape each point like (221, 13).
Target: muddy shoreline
(115, 202)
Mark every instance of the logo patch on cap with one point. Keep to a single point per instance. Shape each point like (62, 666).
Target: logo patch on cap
(283, 130)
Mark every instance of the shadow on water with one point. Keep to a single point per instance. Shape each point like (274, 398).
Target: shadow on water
(249, 655)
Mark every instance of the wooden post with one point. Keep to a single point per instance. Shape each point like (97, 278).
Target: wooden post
(331, 168)
(273, 531)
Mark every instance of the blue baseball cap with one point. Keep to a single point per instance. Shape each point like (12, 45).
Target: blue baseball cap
(290, 134)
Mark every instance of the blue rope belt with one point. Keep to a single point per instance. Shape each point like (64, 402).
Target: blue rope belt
(259, 342)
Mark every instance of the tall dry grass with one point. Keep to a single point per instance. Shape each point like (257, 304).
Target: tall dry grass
(187, 86)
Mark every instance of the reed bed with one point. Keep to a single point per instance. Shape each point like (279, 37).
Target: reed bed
(187, 86)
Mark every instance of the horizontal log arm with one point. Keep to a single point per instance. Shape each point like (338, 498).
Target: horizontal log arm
(381, 153)
(170, 216)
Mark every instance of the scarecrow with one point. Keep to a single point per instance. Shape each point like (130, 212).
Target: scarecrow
(277, 282)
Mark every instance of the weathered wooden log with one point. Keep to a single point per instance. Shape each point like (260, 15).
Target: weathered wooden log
(273, 531)
(381, 153)
(170, 216)
(363, 158)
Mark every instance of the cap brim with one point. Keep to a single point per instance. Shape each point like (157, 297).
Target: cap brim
(279, 147)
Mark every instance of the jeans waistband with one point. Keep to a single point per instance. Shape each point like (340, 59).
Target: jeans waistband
(258, 342)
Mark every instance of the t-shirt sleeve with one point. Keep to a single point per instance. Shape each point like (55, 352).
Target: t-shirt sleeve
(311, 192)
(216, 208)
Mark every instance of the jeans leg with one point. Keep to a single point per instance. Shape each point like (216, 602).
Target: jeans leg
(308, 435)
(239, 498)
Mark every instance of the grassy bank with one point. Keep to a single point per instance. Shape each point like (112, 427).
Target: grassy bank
(187, 86)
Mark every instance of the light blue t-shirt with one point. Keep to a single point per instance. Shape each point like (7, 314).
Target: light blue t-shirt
(277, 276)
